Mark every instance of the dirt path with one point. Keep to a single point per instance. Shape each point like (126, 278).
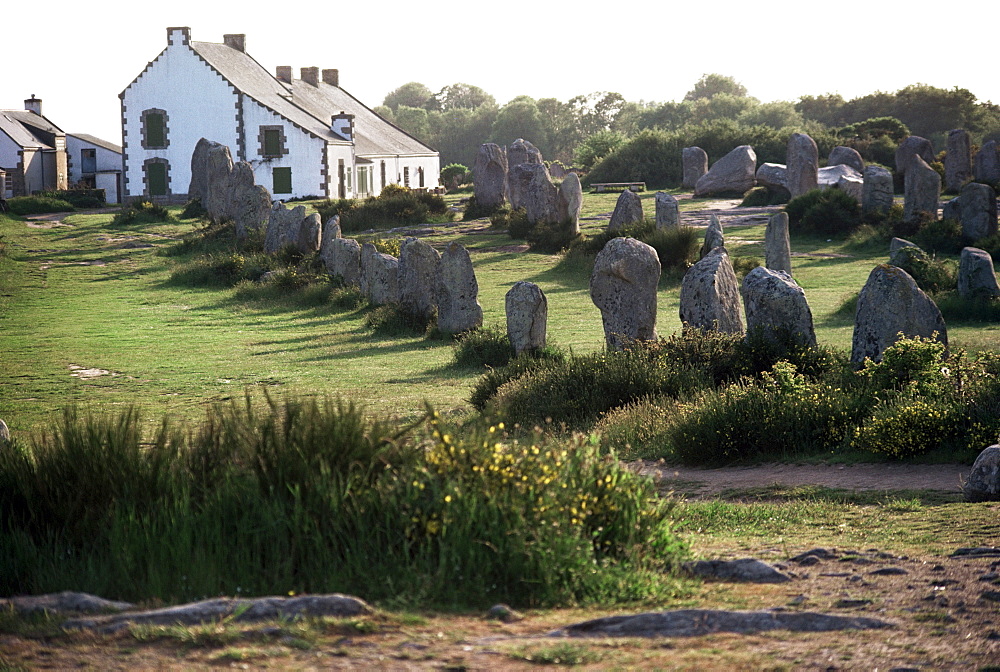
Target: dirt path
(872, 477)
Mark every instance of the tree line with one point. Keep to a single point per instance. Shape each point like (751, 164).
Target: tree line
(588, 130)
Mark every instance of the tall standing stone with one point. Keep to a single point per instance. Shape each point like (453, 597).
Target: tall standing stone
(957, 160)
(801, 164)
(199, 185)
(890, 304)
(976, 275)
(876, 191)
(777, 246)
(344, 260)
(527, 315)
(976, 209)
(570, 202)
(489, 175)
(776, 307)
(694, 163)
(457, 292)
(913, 146)
(922, 191)
(245, 203)
(419, 270)
(623, 286)
(733, 173)
(532, 189)
(710, 295)
(379, 276)
(668, 214)
(987, 163)
(846, 156)
(331, 232)
(713, 236)
(292, 228)
(628, 211)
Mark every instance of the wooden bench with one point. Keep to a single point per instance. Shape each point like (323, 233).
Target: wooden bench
(601, 187)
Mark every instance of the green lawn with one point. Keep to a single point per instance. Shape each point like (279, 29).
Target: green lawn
(92, 295)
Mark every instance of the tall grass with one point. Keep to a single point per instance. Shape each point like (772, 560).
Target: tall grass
(313, 496)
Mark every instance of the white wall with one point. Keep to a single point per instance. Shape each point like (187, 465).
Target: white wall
(394, 166)
(199, 104)
(304, 153)
(108, 181)
(106, 159)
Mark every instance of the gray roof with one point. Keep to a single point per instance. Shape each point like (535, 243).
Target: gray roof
(18, 125)
(97, 141)
(309, 107)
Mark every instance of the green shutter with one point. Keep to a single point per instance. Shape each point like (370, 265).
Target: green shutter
(155, 137)
(272, 143)
(282, 180)
(156, 177)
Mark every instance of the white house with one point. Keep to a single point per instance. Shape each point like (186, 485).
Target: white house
(32, 151)
(302, 137)
(95, 163)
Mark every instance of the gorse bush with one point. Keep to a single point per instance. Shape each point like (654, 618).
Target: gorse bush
(487, 346)
(313, 496)
(394, 206)
(824, 211)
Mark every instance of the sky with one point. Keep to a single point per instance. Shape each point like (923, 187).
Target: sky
(77, 57)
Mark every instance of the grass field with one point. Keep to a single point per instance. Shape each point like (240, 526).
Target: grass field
(84, 296)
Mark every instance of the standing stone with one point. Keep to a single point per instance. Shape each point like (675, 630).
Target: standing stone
(292, 228)
(557, 170)
(957, 160)
(532, 189)
(570, 202)
(521, 151)
(890, 303)
(694, 162)
(457, 292)
(710, 295)
(976, 275)
(876, 191)
(199, 186)
(902, 250)
(847, 156)
(713, 236)
(922, 191)
(830, 176)
(773, 176)
(852, 185)
(623, 287)
(379, 276)
(802, 164)
(976, 209)
(776, 306)
(246, 203)
(489, 175)
(777, 245)
(527, 315)
(213, 164)
(733, 173)
(983, 484)
(913, 146)
(987, 163)
(310, 234)
(628, 211)
(668, 214)
(344, 261)
(331, 232)
(419, 269)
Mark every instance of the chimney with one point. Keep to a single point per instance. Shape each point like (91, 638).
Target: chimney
(331, 77)
(236, 41)
(33, 105)
(178, 36)
(284, 73)
(310, 76)
(343, 125)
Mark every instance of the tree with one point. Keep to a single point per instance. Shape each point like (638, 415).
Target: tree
(457, 133)
(596, 147)
(520, 118)
(720, 106)
(411, 94)
(713, 84)
(462, 95)
(777, 114)
(414, 120)
(827, 109)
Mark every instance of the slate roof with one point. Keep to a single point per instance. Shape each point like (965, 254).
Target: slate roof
(97, 141)
(18, 124)
(310, 107)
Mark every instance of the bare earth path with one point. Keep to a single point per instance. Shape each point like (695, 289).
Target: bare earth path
(709, 482)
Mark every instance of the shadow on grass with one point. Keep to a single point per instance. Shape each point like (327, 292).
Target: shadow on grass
(900, 500)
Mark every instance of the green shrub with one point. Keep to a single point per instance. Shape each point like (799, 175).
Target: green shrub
(486, 387)
(638, 430)
(141, 212)
(390, 246)
(38, 205)
(910, 426)
(475, 211)
(940, 235)
(391, 320)
(514, 221)
(193, 209)
(956, 308)
(395, 206)
(488, 346)
(930, 274)
(455, 174)
(762, 197)
(551, 237)
(824, 211)
(916, 364)
(78, 198)
(676, 247)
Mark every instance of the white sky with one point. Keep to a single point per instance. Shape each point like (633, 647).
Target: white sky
(78, 56)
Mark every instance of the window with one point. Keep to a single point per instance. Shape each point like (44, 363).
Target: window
(157, 177)
(349, 175)
(272, 141)
(420, 177)
(282, 180)
(88, 160)
(154, 129)
(383, 174)
(406, 177)
(364, 181)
